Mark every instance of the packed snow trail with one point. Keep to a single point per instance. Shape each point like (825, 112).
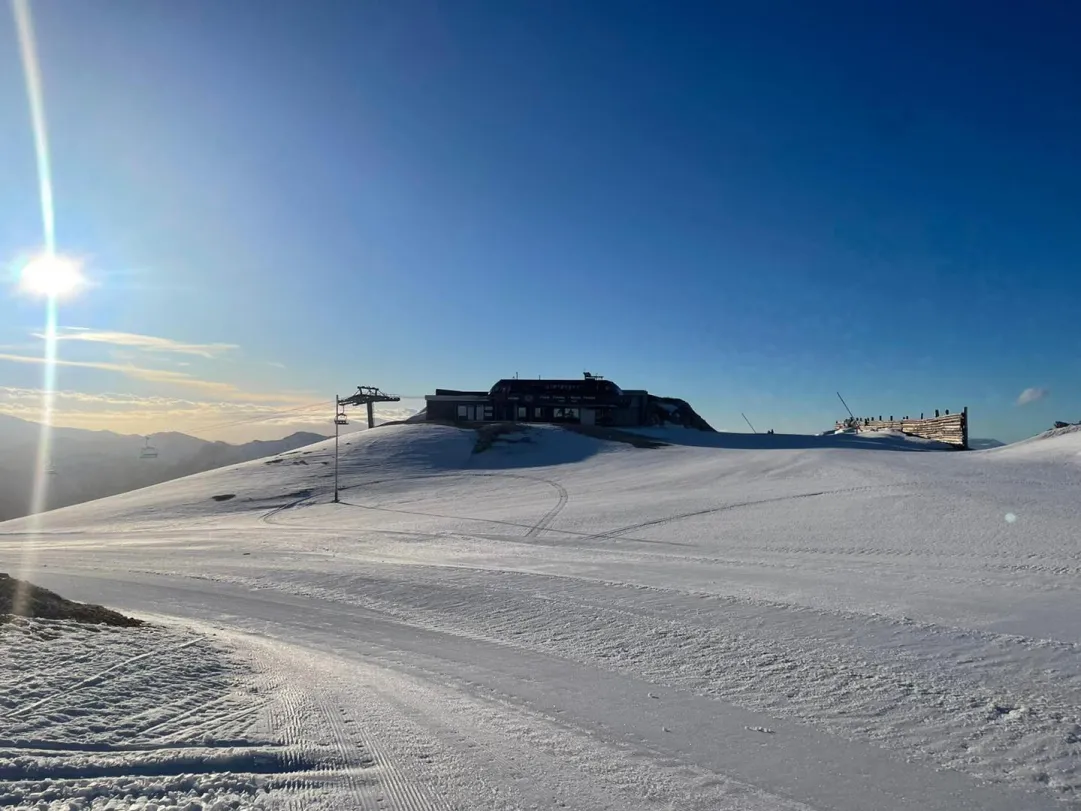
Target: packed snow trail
(624, 713)
(560, 621)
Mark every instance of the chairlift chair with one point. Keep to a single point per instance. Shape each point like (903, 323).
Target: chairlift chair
(148, 451)
(339, 419)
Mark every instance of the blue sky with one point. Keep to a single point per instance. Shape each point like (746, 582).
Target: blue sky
(751, 206)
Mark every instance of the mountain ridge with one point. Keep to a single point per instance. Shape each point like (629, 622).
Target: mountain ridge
(89, 464)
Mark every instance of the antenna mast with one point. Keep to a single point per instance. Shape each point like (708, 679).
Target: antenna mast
(747, 421)
(849, 410)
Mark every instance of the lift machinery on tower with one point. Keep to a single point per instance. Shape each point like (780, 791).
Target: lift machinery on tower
(367, 396)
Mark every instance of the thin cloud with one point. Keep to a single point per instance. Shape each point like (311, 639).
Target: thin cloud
(147, 343)
(158, 376)
(131, 370)
(132, 413)
(90, 399)
(1032, 395)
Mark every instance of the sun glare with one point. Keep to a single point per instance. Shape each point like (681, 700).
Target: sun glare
(51, 275)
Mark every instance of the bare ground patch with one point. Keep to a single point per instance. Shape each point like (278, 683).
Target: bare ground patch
(19, 598)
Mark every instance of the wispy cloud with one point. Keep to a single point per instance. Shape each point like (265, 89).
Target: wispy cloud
(1032, 396)
(110, 410)
(215, 419)
(148, 343)
(167, 376)
(181, 398)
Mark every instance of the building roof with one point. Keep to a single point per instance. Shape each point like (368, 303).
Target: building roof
(590, 385)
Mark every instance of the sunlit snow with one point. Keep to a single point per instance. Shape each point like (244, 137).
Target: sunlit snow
(724, 622)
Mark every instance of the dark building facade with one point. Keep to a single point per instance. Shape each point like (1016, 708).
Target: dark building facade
(591, 400)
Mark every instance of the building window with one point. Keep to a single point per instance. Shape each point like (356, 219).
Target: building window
(522, 411)
(487, 412)
(463, 412)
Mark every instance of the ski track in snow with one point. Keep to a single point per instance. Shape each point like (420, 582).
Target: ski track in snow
(895, 693)
(565, 623)
(86, 718)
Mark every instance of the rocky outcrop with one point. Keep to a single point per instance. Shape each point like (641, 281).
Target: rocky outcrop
(673, 411)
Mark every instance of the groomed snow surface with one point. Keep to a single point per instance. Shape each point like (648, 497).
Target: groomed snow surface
(726, 622)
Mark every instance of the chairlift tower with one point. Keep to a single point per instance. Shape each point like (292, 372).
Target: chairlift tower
(366, 395)
(369, 395)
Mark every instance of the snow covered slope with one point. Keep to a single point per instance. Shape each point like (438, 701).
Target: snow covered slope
(90, 465)
(1055, 445)
(103, 717)
(839, 622)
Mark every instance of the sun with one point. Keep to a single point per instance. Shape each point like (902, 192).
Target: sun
(51, 275)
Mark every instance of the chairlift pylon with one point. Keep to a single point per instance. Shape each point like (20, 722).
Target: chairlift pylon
(148, 451)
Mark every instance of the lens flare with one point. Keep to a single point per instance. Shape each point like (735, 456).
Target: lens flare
(52, 276)
(39, 498)
(32, 71)
(49, 275)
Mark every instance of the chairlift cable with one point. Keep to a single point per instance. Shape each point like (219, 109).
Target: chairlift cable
(263, 418)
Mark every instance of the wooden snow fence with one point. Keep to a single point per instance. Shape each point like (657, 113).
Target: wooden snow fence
(949, 428)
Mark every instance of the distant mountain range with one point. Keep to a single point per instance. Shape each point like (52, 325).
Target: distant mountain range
(88, 465)
(984, 444)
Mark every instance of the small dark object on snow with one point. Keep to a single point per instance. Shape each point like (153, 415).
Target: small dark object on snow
(224, 497)
(1061, 424)
(19, 598)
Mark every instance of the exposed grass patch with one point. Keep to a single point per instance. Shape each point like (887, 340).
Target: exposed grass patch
(489, 433)
(19, 598)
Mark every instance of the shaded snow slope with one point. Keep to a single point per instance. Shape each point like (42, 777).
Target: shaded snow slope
(752, 623)
(277, 481)
(862, 441)
(89, 465)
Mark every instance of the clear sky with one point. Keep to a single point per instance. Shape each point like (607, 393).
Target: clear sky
(748, 205)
